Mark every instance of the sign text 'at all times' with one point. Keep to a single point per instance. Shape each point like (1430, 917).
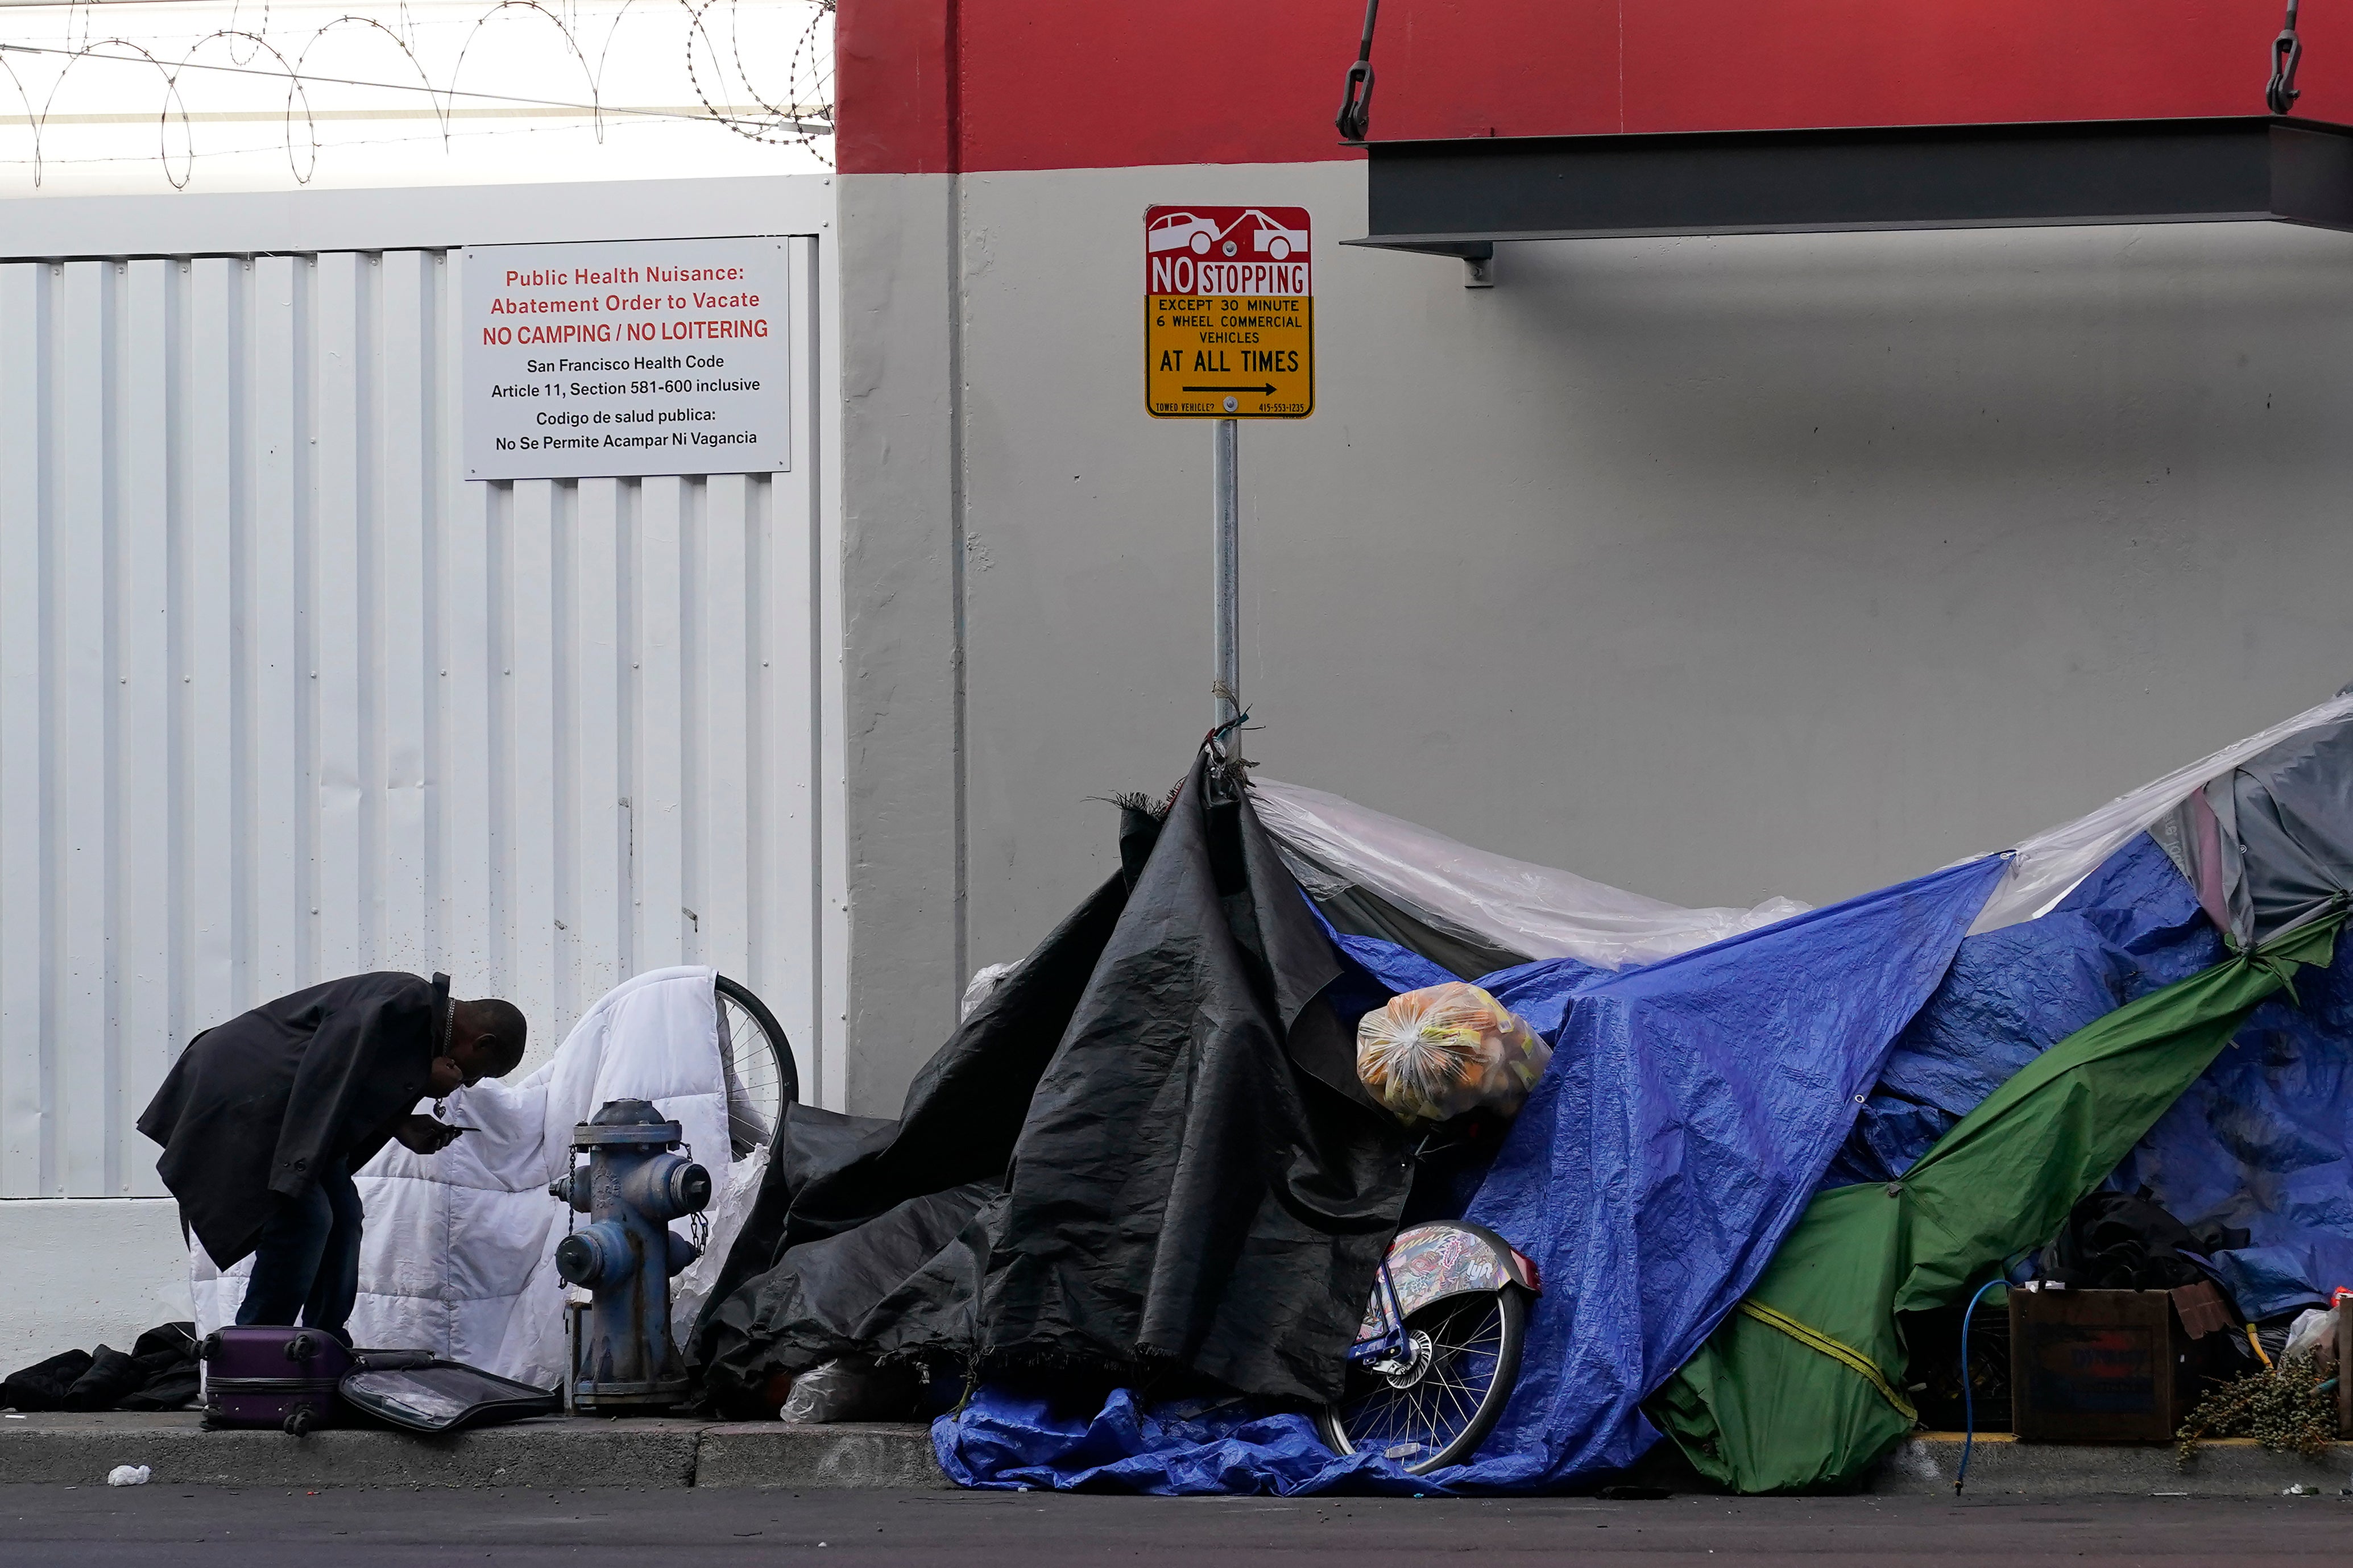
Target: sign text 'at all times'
(1228, 313)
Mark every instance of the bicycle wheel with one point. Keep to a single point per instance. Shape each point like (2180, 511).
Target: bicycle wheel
(761, 1076)
(1433, 1406)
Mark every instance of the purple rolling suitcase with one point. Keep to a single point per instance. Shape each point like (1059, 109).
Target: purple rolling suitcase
(260, 1376)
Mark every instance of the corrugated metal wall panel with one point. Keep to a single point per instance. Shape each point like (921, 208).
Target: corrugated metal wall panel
(282, 697)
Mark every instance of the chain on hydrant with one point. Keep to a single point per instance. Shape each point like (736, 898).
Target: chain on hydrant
(632, 1187)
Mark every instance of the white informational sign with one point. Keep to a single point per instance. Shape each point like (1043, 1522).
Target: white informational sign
(655, 356)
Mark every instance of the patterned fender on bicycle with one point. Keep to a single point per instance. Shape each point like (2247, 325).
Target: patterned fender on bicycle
(1430, 1262)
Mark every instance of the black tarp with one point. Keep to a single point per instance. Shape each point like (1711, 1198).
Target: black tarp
(254, 1107)
(1146, 1151)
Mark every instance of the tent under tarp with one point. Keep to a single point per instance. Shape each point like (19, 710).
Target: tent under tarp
(2088, 918)
(1689, 1111)
(1803, 1387)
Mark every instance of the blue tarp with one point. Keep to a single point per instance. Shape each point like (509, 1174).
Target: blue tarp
(2264, 1141)
(1689, 1112)
(1394, 970)
(1012, 1439)
(2132, 927)
(2260, 1142)
(1690, 1108)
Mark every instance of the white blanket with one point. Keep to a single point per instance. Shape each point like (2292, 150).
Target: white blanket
(459, 1256)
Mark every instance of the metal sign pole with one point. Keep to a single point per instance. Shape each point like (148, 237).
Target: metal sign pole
(1226, 563)
(1228, 335)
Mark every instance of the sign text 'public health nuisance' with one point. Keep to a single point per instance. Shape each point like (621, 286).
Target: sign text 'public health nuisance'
(1228, 313)
(662, 356)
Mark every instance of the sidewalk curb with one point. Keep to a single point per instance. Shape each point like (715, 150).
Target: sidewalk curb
(2001, 1466)
(550, 1453)
(559, 1454)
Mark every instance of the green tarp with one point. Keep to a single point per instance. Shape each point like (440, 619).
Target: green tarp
(1802, 1385)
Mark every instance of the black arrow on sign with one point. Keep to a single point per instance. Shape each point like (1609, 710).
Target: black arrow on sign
(1268, 389)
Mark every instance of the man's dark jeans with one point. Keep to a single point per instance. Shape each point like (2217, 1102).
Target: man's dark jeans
(308, 1258)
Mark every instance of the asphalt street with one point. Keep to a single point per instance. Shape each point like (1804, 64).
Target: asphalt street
(95, 1526)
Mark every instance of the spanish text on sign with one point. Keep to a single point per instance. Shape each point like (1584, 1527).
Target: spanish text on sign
(626, 358)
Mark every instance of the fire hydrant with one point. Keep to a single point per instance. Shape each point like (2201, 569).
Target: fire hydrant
(632, 1187)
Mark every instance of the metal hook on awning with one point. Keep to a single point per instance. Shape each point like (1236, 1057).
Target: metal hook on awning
(1355, 115)
(2288, 53)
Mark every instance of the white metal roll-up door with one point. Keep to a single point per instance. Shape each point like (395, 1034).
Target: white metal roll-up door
(283, 698)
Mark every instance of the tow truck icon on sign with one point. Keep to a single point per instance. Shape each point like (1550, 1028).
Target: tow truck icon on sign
(1266, 236)
(1181, 231)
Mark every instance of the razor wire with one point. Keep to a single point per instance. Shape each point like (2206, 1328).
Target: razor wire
(258, 41)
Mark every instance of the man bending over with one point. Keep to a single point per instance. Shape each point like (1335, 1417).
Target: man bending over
(264, 1119)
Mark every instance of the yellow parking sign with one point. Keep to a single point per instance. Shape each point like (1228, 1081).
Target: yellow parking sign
(1228, 313)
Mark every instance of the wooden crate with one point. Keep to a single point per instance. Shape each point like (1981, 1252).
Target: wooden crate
(2344, 1360)
(2095, 1366)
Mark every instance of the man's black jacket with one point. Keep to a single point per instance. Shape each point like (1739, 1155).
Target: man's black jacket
(256, 1107)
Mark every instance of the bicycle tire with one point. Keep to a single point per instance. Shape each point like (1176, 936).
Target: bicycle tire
(758, 1058)
(1333, 1422)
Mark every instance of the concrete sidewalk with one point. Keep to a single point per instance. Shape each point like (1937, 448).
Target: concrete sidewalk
(577, 1452)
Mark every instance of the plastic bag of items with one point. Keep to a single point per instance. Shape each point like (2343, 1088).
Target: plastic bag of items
(1434, 1054)
(2315, 1334)
(854, 1388)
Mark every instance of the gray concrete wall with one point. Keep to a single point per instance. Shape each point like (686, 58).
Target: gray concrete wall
(1711, 568)
(76, 1273)
(900, 626)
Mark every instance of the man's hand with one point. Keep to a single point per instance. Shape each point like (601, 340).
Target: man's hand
(424, 1134)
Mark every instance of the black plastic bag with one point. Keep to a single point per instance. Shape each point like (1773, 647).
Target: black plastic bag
(2126, 1241)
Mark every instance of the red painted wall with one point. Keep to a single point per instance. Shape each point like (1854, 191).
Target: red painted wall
(1043, 84)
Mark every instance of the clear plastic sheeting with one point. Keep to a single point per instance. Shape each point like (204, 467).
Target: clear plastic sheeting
(1332, 845)
(2046, 868)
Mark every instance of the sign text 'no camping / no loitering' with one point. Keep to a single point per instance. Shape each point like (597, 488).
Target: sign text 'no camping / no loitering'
(1228, 313)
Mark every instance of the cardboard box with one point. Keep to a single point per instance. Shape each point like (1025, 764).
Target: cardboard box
(2096, 1366)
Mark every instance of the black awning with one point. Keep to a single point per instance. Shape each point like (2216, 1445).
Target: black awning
(1459, 197)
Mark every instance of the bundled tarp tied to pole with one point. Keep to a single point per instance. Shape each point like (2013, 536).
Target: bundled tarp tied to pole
(1146, 1151)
